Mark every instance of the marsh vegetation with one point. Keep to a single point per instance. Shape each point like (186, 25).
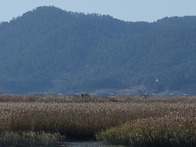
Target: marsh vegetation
(125, 120)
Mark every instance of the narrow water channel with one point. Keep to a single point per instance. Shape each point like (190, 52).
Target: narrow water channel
(87, 144)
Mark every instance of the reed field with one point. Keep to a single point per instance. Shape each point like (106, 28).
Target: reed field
(125, 120)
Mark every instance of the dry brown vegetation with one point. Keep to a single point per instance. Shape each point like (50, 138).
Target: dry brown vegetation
(74, 116)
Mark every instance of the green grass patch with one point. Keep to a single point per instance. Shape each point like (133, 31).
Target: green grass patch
(164, 131)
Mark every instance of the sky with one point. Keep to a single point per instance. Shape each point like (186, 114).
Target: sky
(127, 10)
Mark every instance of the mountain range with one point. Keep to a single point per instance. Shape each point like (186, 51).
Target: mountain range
(54, 51)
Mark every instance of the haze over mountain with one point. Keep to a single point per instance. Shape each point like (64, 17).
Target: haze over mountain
(55, 51)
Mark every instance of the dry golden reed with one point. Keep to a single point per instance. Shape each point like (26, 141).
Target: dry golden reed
(74, 116)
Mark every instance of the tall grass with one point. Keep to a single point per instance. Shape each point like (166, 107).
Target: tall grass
(162, 131)
(29, 139)
(121, 120)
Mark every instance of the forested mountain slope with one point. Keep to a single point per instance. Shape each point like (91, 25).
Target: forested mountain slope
(52, 50)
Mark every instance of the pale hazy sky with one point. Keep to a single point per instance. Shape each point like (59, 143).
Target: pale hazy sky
(128, 10)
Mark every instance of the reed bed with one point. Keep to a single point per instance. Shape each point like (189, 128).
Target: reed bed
(152, 132)
(77, 117)
(30, 139)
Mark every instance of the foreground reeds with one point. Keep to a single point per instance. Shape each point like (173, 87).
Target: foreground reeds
(122, 120)
(29, 139)
(153, 132)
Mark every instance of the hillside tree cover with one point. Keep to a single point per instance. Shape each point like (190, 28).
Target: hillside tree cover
(52, 50)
